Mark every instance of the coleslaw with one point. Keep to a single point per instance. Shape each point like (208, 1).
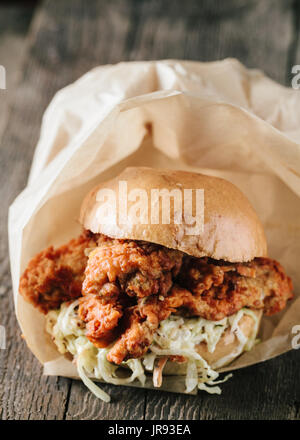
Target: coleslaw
(176, 336)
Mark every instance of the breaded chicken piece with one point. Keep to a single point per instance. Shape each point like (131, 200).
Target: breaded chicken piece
(141, 269)
(214, 290)
(189, 286)
(141, 323)
(102, 317)
(118, 269)
(56, 275)
(129, 287)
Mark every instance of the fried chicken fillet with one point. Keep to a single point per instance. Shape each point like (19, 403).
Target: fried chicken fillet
(56, 275)
(126, 288)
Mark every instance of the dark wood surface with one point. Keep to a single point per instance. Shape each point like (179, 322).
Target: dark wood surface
(65, 39)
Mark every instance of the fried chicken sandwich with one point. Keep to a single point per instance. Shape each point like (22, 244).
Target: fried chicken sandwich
(136, 293)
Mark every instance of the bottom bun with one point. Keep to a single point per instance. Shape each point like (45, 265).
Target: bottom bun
(228, 348)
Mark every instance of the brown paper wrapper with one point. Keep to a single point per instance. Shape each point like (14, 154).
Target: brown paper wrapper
(218, 118)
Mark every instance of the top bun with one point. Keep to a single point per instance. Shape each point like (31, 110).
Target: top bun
(232, 230)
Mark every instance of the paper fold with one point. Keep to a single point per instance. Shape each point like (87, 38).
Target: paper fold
(218, 118)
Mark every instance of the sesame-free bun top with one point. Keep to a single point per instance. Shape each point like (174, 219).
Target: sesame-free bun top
(231, 229)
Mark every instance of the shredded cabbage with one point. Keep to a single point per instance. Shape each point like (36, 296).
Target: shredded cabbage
(180, 336)
(68, 333)
(176, 336)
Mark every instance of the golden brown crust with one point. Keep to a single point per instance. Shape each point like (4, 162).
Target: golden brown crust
(232, 230)
(56, 275)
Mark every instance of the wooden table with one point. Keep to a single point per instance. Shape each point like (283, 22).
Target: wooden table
(65, 39)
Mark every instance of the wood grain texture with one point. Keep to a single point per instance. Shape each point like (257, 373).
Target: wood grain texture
(24, 392)
(258, 33)
(67, 39)
(14, 22)
(266, 391)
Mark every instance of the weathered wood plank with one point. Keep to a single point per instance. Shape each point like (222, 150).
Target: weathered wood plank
(126, 403)
(251, 33)
(14, 23)
(258, 33)
(266, 391)
(59, 53)
(23, 391)
(67, 39)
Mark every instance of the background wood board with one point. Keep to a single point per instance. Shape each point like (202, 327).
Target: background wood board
(65, 40)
